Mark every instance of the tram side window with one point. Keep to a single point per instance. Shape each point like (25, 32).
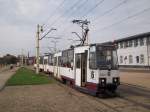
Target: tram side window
(53, 58)
(50, 61)
(64, 58)
(70, 57)
(41, 60)
(92, 60)
(78, 57)
(55, 61)
(67, 58)
(45, 61)
(59, 61)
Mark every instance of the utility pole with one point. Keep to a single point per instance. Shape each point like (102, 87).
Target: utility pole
(84, 26)
(55, 45)
(22, 58)
(37, 48)
(39, 30)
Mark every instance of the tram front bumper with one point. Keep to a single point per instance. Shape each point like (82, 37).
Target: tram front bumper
(104, 85)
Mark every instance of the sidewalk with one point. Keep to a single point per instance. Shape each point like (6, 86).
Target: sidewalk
(5, 75)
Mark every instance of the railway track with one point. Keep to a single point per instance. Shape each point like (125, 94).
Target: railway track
(123, 101)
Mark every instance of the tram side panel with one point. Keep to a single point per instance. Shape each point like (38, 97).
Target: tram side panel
(50, 66)
(67, 74)
(45, 63)
(57, 62)
(66, 69)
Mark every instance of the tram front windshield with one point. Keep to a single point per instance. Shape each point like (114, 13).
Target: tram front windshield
(106, 57)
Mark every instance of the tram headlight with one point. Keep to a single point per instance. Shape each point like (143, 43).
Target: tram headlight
(116, 80)
(103, 80)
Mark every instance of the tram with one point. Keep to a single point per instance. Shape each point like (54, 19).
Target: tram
(92, 69)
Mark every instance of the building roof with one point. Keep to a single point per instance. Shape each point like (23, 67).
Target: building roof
(142, 35)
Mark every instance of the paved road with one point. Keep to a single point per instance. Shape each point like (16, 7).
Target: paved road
(5, 74)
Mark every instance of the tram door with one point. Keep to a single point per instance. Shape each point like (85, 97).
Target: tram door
(81, 69)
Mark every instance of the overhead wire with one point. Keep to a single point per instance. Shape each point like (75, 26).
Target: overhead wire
(125, 19)
(54, 12)
(105, 13)
(77, 8)
(89, 11)
(110, 10)
(68, 10)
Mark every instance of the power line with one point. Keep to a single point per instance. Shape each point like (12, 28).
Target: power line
(110, 10)
(54, 12)
(129, 17)
(64, 13)
(89, 11)
(74, 5)
(78, 7)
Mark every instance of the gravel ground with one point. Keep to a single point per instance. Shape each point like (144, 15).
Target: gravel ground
(5, 75)
(138, 79)
(60, 98)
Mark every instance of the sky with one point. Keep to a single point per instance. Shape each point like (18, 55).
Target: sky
(109, 20)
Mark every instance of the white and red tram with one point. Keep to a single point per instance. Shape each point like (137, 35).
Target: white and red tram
(92, 69)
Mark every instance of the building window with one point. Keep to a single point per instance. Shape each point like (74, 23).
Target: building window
(125, 44)
(130, 59)
(148, 40)
(121, 45)
(141, 42)
(121, 59)
(141, 58)
(135, 42)
(130, 43)
(137, 59)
